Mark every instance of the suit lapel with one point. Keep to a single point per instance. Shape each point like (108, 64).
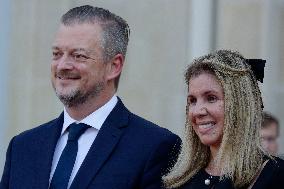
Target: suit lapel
(45, 150)
(102, 147)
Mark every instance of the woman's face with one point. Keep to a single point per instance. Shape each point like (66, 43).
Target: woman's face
(206, 108)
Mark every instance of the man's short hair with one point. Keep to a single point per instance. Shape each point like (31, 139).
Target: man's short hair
(115, 29)
(267, 119)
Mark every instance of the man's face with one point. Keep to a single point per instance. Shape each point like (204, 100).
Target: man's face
(269, 138)
(78, 72)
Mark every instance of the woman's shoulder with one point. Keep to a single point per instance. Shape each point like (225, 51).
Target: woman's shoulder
(272, 174)
(277, 163)
(277, 170)
(275, 167)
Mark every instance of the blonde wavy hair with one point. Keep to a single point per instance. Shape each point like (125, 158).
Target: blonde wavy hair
(240, 155)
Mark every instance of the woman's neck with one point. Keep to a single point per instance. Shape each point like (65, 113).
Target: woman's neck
(212, 168)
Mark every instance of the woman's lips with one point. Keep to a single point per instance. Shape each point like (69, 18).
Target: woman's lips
(205, 127)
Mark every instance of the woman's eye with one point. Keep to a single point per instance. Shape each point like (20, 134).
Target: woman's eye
(191, 101)
(212, 98)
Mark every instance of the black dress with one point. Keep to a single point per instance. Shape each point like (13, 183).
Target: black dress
(202, 180)
(271, 177)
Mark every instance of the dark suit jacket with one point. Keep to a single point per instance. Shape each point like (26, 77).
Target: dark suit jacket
(128, 152)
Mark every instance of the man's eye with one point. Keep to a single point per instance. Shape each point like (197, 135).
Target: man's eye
(212, 98)
(80, 57)
(56, 55)
(269, 139)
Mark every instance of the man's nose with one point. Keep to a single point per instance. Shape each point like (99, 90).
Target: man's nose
(65, 63)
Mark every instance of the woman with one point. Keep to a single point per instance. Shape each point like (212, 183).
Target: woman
(221, 145)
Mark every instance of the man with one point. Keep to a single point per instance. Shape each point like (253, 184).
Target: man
(269, 133)
(96, 142)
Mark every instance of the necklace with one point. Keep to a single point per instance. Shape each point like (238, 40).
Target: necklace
(208, 181)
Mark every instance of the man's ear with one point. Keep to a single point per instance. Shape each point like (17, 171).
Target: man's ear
(115, 67)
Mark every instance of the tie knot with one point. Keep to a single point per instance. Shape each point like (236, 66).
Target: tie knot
(76, 130)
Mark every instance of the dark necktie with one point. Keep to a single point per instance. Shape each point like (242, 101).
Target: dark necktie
(67, 159)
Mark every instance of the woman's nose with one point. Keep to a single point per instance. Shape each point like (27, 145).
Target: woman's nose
(200, 110)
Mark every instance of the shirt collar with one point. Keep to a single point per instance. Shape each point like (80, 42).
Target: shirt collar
(95, 119)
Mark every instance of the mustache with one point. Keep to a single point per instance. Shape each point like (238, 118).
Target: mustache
(67, 75)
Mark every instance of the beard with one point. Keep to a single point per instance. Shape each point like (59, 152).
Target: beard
(77, 97)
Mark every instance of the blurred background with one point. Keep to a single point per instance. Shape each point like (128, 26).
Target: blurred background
(165, 36)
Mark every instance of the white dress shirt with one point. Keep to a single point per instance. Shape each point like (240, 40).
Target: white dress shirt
(95, 120)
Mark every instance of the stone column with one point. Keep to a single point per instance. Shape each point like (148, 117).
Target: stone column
(202, 27)
(272, 49)
(5, 8)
